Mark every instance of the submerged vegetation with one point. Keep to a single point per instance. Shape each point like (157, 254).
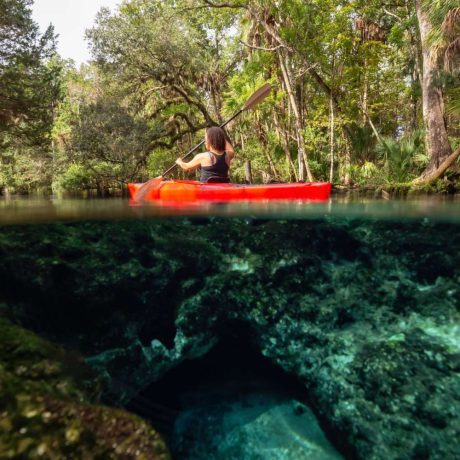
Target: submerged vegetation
(365, 92)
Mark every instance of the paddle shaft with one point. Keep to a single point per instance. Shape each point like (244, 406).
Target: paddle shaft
(200, 144)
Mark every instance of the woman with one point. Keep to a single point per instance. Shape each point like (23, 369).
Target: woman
(214, 163)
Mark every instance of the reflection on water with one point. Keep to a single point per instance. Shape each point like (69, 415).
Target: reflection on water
(23, 210)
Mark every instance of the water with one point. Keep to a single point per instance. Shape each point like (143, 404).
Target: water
(233, 403)
(320, 330)
(437, 208)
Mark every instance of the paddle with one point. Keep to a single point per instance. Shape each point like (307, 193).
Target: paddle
(154, 183)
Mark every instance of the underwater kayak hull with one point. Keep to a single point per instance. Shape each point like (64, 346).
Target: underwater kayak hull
(191, 191)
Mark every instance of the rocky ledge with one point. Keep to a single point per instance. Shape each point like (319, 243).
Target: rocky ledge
(48, 406)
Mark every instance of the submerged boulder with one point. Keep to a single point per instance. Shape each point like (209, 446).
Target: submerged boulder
(48, 406)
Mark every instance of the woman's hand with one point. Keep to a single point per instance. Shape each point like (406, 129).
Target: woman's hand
(191, 165)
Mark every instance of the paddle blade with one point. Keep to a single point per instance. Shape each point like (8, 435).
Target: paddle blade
(258, 96)
(148, 188)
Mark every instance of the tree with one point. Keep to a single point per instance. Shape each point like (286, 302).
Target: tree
(169, 63)
(436, 139)
(28, 84)
(109, 142)
(29, 91)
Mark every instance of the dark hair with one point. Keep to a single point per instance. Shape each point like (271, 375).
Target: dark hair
(216, 138)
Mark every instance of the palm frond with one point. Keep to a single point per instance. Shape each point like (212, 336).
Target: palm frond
(453, 105)
(444, 37)
(452, 55)
(399, 157)
(451, 24)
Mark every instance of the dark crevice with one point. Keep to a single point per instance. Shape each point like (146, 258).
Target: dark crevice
(232, 369)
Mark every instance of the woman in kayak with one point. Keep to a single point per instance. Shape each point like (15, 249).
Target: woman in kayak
(214, 163)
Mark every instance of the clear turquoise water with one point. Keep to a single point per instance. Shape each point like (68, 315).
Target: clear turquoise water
(355, 302)
(435, 208)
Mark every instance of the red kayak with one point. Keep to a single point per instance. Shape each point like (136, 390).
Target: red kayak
(180, 191)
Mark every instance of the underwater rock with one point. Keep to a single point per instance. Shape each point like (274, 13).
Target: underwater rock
(364, 313)
(234, 404)
(48, 406)
(254, 428)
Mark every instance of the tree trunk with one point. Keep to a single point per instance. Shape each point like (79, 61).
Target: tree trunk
(311, 70)
(365, 92)
(331, 140)
(438, 172)
(346, 163)
(436, 139)
(298, 124)
(283, 139)
(413, 103)
(248, 172)
(416, 74)
(262, 135)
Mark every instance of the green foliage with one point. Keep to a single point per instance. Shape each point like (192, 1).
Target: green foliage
(453, 93)
(28, 79)
(105, 132)
(164, 70)
(402, 158)
(25, 170)
(75, 178)
(363, 141)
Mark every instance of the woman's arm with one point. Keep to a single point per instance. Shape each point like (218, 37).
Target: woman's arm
(192, 164)
(229, 149)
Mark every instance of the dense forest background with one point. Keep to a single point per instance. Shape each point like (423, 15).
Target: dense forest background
(365, 92)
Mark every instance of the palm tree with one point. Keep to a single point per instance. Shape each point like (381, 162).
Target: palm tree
(438, 23)
(447, 22)
(445, 17)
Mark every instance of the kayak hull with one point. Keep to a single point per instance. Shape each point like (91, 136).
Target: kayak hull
(182, 191)
(192, 191)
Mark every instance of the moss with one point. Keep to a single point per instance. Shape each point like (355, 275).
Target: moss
(48, 410)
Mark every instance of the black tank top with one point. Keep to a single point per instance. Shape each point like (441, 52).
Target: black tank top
(219, 170)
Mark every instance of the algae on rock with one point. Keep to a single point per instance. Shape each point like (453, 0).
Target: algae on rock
(48, 406)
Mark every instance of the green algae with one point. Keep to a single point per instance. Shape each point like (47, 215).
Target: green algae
(48, 406)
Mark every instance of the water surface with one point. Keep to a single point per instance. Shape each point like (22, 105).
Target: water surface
(24, 210)
(357, 301)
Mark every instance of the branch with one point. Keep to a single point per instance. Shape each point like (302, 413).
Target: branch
(164, 106)
(169, 145)
(260, 47)
(444, 166)
(197, 104)
(209, 4)
(186, 118)
(369, 119)
(275, 36)
(327, 89)
(311, 70)
(392, 14)
(223, 5)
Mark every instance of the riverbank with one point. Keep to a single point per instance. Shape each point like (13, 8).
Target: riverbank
(399, 191)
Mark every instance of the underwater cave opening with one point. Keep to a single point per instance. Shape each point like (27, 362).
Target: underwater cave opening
(233, 403)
